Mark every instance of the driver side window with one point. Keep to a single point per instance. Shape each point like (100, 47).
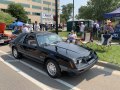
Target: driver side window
(30, 40)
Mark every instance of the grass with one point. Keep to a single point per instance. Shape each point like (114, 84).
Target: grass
(63, 34)
(110, 54)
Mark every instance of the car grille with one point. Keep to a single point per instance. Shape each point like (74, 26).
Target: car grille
(88, 58)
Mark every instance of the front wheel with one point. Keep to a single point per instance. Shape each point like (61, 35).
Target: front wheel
(16, 54)
(53, 69)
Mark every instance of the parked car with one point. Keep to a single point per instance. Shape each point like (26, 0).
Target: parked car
(55, 54)
(4, 38)
(116, 34)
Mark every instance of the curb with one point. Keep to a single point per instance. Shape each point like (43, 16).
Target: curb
(108, 65)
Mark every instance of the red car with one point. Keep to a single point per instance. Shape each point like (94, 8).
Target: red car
(4, 38)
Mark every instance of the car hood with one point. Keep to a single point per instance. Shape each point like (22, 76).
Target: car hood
(69, 50)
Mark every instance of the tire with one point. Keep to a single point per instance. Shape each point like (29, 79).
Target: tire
(15, 53)
(53, 69)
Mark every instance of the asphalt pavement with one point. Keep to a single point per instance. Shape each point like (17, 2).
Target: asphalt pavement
(25, 74)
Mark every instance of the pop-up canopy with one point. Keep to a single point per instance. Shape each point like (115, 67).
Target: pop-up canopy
(115, 13)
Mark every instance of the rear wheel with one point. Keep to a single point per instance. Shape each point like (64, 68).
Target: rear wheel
(53, 69)
(15, 53)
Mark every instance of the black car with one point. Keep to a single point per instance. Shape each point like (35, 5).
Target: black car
(55, 54)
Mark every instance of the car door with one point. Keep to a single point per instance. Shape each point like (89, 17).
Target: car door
(32, 48)
(20, 45)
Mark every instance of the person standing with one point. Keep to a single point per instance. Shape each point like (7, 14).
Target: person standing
(41, 26)
(110, 28)
(36, 27)
(105, 27)
(46, 27)
(95, 30)
(82, 29)
(25, 29)
(31, 27)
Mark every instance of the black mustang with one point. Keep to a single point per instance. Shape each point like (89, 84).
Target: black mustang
(56, 55)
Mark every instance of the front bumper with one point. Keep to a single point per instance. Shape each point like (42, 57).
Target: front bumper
(83, 67)
(4, 38)
(4, 41)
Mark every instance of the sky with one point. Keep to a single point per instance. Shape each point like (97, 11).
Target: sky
(78, 3)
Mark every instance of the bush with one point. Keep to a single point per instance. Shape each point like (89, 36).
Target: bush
(6, 18)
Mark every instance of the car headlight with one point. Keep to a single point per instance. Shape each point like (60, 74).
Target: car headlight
(78, 61)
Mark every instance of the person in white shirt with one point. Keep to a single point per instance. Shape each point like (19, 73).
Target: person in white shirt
(25, 29)
(36, 27)
(72, 37)
(31, 27)
(82, 29)
(96, 28)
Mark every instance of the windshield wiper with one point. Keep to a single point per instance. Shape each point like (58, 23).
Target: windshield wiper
(46, 44)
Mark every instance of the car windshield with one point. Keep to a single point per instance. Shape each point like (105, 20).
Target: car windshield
(48, 39)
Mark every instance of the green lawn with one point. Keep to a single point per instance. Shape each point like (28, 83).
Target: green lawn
(109, 54)
(63, 34)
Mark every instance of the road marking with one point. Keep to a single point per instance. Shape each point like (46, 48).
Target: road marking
(12, 60)
(40, 71)
(39, 84)
(58, 80)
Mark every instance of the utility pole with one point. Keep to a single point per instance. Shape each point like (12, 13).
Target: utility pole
(73, 16)
(56, 14)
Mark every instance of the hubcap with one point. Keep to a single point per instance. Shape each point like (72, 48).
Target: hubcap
(15, 52)
(51, 68)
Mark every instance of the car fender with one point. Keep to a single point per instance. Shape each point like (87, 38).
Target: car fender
(52, 57)
(63, 63)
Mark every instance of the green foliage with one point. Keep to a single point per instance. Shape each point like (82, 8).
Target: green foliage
(66, 12)
(17, 11)
(96, 8)
(111, 54)
(6, 18)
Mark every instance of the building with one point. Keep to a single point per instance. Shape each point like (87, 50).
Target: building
(37, 10)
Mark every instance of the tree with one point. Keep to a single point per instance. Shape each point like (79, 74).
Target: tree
(95, 9)
(66, 12)
(6, 18)
(85, 12)
(17, 11)
(62, 19)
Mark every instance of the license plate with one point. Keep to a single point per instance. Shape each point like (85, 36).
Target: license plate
(1, 41)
